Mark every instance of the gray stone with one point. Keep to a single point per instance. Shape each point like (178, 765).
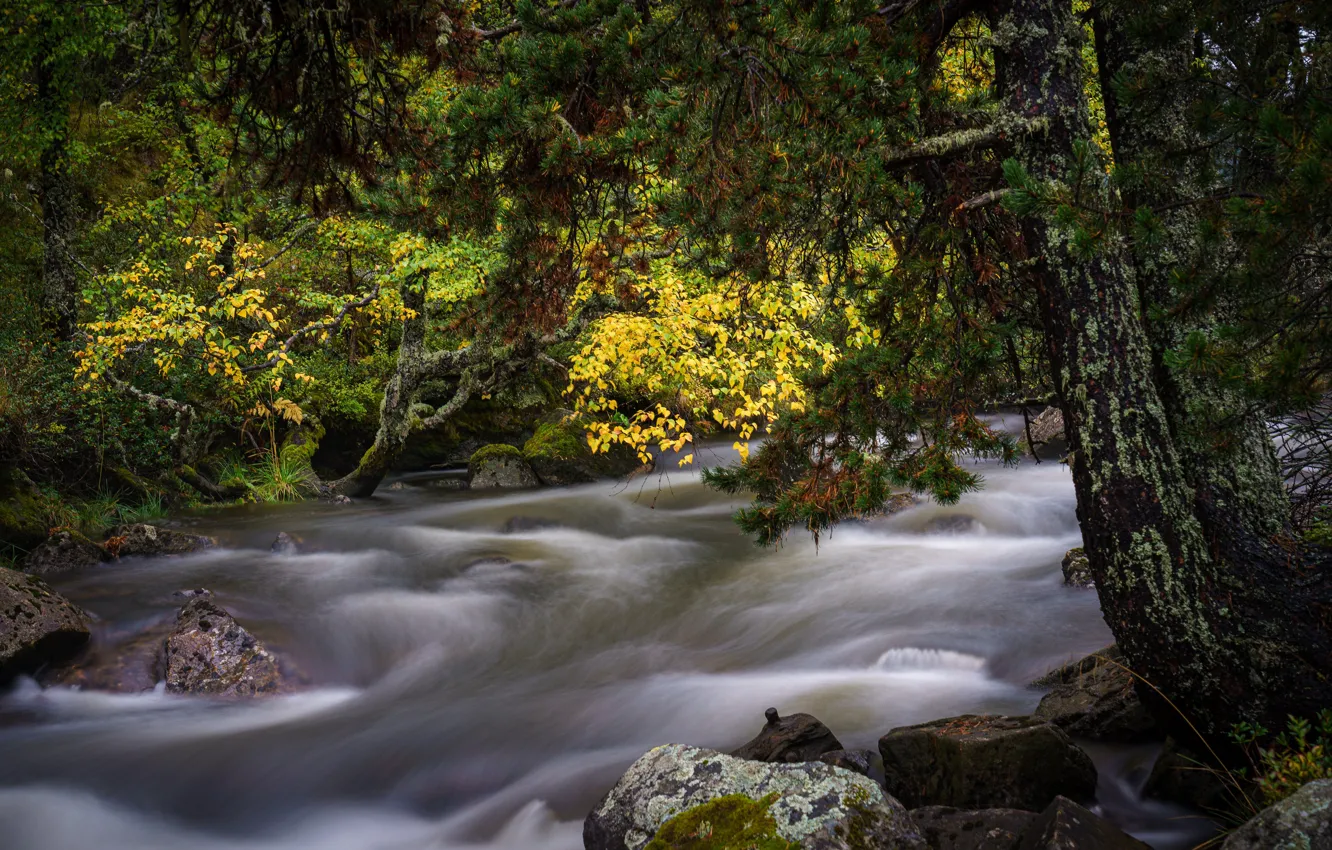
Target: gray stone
(1302, 821)
(37, 625)
(63, 552)
(947, 828)
(985, 761)
(1095, 698)
(856, 761)
(143, 539)
(1064, 825)
(500, 467)
(1048, 426)
(209, 653)
(790, 739)
(818, 806)
(285, 544)
(1077, 569)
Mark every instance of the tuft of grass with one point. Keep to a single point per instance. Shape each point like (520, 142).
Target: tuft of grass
(97, 515)
(152, 507)
(281, 478)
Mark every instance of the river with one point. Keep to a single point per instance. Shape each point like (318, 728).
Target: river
(481, 667)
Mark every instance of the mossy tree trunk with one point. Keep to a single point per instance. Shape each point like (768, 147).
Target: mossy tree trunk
(1195, 608)
(59, 201)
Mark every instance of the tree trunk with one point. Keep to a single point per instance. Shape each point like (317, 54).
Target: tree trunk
(1189, 614)
(60, 289)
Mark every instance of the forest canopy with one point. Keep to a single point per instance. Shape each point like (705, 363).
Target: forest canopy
(241, 231)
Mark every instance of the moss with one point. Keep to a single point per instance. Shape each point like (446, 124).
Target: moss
(26, 514)
(555, 442)
(733, 822)
(494, 451)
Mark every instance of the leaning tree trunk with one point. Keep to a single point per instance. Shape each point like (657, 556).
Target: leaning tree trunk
(1191, 617)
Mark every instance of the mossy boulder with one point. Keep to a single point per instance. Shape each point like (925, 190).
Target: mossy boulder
(1096, 698)
(24, 511)
(1302, 821)
(37, 625)
(65, 551)
(985, 761)
(1077, 569)
(499, 466)
(675, 792)
(559, 454)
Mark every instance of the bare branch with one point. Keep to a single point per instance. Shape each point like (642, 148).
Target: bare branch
(314, 327)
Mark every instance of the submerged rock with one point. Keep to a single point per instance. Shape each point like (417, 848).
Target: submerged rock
(500, 467)
(209, 653)
(985, 761)
(812, 805)
(1077, 569)
(1095, 698)
(1302, 821)
(1064, 825)
(524, 524)
(285, 544)
(790, 739)
(947, 828)
(150, 540)
(63, 552)
(126, 664)
(37, 625)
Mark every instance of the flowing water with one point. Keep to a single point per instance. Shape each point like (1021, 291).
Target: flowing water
(481, 667)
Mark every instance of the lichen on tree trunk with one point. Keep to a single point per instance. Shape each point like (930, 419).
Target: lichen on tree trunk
(1190, 617)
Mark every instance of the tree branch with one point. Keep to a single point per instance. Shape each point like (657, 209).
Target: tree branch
(327, 324)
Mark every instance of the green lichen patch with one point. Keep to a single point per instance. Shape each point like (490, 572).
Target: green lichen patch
(732, 822)
(556, 442)
(494, 451)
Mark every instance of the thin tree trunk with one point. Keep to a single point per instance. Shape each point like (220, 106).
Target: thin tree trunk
(1185, 613)
(60, 289)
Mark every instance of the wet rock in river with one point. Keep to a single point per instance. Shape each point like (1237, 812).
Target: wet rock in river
(37, 625)
(1077, 569)
(947, 828)
(63, 552)
(500, 467)
(1302, 821)
(208, 652)
(126, 664)
(143, 539)
(671, 790)
(790, 739)
(856, 761)
(985, 761)
(1096, 698)
(1064, 825)
(285, 544)
(559, 455)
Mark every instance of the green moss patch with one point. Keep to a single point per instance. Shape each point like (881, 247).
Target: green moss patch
(733, 822)
(556, 442)
(494, 451)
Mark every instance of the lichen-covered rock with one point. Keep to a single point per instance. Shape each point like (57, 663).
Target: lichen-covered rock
(559, 454)
(1047, 426)
(947, 828)
(500, 467)
(1077, 569)
(985, 761)
(1302, 821)
(1095, 698)
(142, 539)
(1064, 825)
(812, 805)
(63, 552)
(790, 739)
(209, 653)
(37, 625)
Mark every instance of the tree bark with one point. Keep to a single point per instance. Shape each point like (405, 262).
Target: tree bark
(59, 200)
(1192, 609)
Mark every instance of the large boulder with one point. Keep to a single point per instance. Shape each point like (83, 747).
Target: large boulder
(790, 739)
(1095, 698)
(1064, 825)
(985, 761)
(559, 454)
(63, 552)
(208, 652)
(500, 466)
(37, 625)
(947, 828)
(1302, 821)
(1077, 569)
(142, 539)
(678, 792)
